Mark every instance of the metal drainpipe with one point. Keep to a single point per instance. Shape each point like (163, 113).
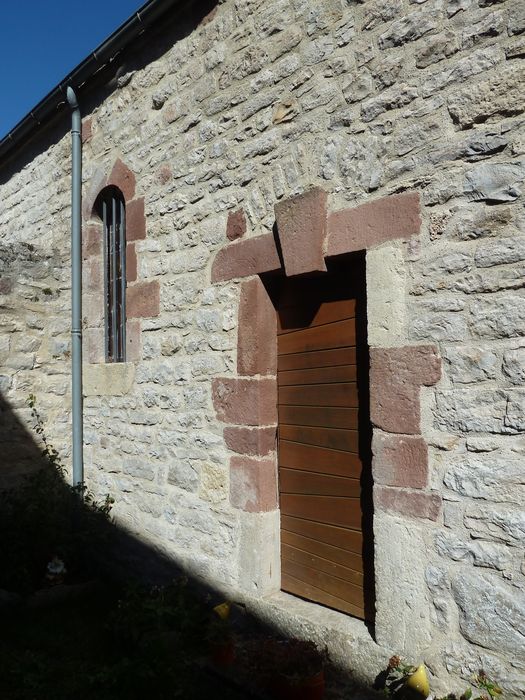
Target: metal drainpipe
(76, 290)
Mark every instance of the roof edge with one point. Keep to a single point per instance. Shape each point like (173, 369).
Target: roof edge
(133, 27)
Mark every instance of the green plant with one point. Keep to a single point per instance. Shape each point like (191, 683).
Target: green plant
(396, 674)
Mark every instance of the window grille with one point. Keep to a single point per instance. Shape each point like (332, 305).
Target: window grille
(114, 223)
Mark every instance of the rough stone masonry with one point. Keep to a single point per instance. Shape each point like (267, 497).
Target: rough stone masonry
(262, 101)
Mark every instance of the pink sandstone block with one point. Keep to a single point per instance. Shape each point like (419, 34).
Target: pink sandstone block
(247, 257)
(250, 441)
(253, 484)
(415, 504)
(396, 376)
(400, 460)
(373, 223)
(257, 335)
(301, 224)
(245, 401)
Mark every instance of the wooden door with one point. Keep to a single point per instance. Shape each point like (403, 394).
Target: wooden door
(324, 441)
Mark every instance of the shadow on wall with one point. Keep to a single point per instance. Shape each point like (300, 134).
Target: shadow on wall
(106, 628)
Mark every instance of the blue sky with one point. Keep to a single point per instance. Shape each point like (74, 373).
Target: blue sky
(41, 41)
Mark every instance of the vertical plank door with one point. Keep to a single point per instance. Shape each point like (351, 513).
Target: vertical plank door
(320, 462)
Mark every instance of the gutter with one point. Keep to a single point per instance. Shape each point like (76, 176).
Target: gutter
(55, 100)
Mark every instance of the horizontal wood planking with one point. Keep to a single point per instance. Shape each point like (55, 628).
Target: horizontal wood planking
(291, 318)
(305, 590)
(319, 395)
(330, 584)
(304, 558)
(319, 459)
(332, 510)
(320, 358)
(319, 416)
(319, 375)
(299, 481)
(334, 438)
(338, 555)
(334, 335)
(351, 540)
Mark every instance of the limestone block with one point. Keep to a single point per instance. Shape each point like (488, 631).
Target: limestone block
(459, 71)
(514, 366)
(482, 554)
(393, 98)
(400, 585)
(500, 252)
(259, 553)
(490, 613)
(498, 317)
(111, 379)
(386, 290)
(496, 523)
(493, 476)
(409, 28)
(467, 364)
(495, 182)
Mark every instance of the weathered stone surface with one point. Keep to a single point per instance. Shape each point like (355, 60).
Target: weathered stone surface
(395, 97)
(408, 28)
(459, 71)
(489, 613)
(414, 504)
(257, 335)
(112, 379)
(498, 317)
(245, 401)
(251, 441)
(301, 225)
(377, 13)
(122, 177)
(482, 554)
(494, 477)
(400, 460)
(437, 48)
(516, 19)
(253, 484)
(500, 252)
(494, 182)
(183, 474)
(502, 94)
(236, 225)
(386, 294)
(447, 327)
(466, 365)
(251, 256)
(143, 299)
(465, 660)
(373, 223)
(473, 411)
(135, 220)
(396, 376)
(497, 523)
(514, 366)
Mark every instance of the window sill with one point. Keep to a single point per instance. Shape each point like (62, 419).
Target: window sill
(108, 379)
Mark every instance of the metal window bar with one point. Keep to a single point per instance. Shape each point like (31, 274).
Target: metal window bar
(114, 222)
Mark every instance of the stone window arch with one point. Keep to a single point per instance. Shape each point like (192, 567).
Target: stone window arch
(111, 209)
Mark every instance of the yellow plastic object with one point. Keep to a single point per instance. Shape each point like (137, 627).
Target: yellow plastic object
(417, 683)
(223, 610)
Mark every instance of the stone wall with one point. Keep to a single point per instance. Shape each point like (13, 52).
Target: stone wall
(262, 101)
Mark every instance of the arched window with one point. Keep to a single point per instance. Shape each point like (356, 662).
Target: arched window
(112, 211)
